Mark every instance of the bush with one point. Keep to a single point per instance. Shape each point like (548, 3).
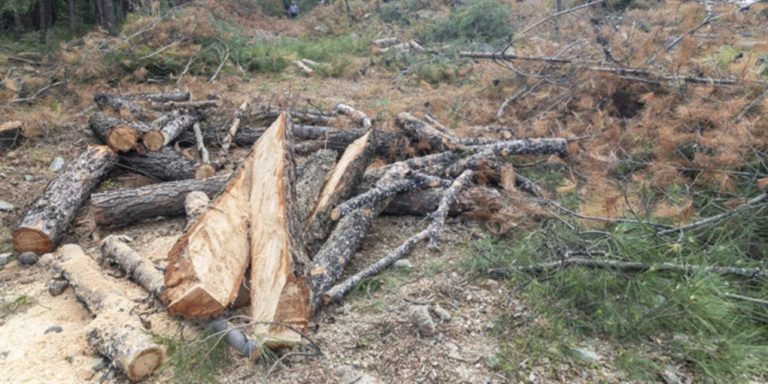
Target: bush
(482, 21)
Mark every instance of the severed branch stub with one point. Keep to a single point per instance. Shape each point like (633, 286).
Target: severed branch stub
(140, 270)
(226, 142)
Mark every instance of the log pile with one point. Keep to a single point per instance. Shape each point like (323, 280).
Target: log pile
(271, 230)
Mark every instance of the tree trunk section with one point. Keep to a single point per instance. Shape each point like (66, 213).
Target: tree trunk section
(46, 219)
(115, 333)
(116, 133)
(156, 140)
(279, 294)
(311, 180)
(164, 164)
(108, 8)
(72, 16)
(345, 176)
(119, 104)
(134, 265)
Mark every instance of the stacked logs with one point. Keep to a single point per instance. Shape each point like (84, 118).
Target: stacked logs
(282, 224)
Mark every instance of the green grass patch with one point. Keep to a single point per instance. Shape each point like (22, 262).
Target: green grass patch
(483, 21)
(197, 361)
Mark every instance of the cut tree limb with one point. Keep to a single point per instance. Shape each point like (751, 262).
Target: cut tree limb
(450, 196)
(226, 142)
(140, 270)
(481, 201)
(347, 110)
(156, 140)
(197, 104)
(127, 206)
(118, 134)
(115, 332)
(118, 104)
(164, 164)
(346, 175)
(160, 97)
(426, 136)
(311, 180)
(204, 169)
(46, 219)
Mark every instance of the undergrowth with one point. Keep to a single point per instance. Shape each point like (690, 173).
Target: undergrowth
(697, 320)
(196, 361)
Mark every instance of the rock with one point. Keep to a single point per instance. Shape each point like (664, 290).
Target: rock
(442, 313)
(99, 365)
(347, 374)
(5, 258)
(422, 320)
(46, 259)
(670, 376)
(85, 375)
(54, 329)
(28, 258)
(56, 287)
(28, 178)
(403, 264)
(585, 354)
(57, 164)
(6, 206)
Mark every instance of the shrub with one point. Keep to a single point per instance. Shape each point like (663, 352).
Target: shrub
(481, 21)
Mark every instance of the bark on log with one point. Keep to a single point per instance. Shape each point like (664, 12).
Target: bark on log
(160, 97)
(386, 42)
(46, 219)
(195, 204)
(118, 104)
(197, 104)
(426, 136)
(314, 118)
(10, 133)
(164, 164)
(432, 232)
(361, 117)
(139, 269)
(477, 201)
(115, 333)
(227, 141)
(439, 160)
(347, 236)
(279, 294)
(127, 206)
(311, 180)
(156, 140)
(342, 181)
(118, 134)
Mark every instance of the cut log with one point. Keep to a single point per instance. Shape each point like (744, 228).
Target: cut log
(426, 136)
(164, 164)
(204, 170)
(127, 206)
(304, 68)
(155, 140)
(346, 238)
(46, 219)
(176, 96)
(361, 117)
(116, 332)
(386, 42)
(227, 141)
(197, 104)
(138, 268)
(279, 294)
(311, 180)
(118, 134)
(345, 176)
(315, 118)
(118, 104)
(10, 133)
(439, 160)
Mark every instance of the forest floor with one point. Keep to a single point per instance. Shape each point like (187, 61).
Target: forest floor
(496, 334)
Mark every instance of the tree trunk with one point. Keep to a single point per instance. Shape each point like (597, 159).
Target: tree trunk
(311, 180)
(116, 332)
(159, 97)
(108, 10)
(279, 294)
(72, 16)
(164, 164)
(117, 133)
(342, 181)
(156, 140)
(46, 219)
(119, 104)
(10, 134)
(330, 261)
(138, 268)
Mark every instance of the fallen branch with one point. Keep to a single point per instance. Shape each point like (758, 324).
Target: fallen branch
(204, 169)
(156, 140)
(226, 142)
(752, 203)
(347, 110)
(164, 164)
(140, 270)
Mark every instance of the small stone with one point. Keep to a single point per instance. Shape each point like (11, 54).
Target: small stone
(99, 365)
(585, 354)
(6, 206)
(5, 258)
(424, 324)
(28, 177)
(86, 374)
(28, 258)
(54, 329)
(57, 164)
(442, 313)
(56, 287)
(403, 264)
(670, 376)
(46, 259)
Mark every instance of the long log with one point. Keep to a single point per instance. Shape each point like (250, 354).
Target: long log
(160, 97)
(345, 176)
(139, 269)
(478, 201)
(311, 180)
(10, 133)
(46, 219)
(118, 134)
(118, 104)
(361, 117)
(279, 294)
(330, 261)
(427, 137)
(116, 332)
(164, 164)
(155, 140)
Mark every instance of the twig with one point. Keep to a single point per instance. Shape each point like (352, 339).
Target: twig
(757, 200)
(745, 298)
(38, 93)
(205, 158)
(751, 105)
(227, 141)
(221, 65)
(159, 51)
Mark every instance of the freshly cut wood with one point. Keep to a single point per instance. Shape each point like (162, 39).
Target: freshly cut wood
(155, 140)
(345, 176)
(204, 170)
(432, 232)
(10, 133)
(195, 204)
(138, 268)
(116, 332)
(46, 219)
(311, 180)
(347, 110)
(330, 261)
(279, 294)
(117, 133)
(164, 164)
(128, 206)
